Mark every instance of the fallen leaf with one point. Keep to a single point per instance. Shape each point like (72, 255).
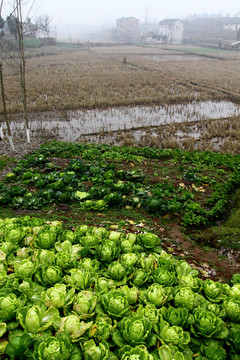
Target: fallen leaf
(128, 207)
(131, 222)
(204, 273)
(140, 225)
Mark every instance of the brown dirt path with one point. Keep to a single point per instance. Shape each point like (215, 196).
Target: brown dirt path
(209, 262)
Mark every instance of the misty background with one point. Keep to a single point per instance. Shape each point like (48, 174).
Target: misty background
(90, 20)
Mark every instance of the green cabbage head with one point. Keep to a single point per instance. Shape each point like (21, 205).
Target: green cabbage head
(24, 269)
(184, 297)
(54, 348)
(58, 296)
(150, 312)
(148, 240)
(35, 320)
(174, 335)
(115, 303)
(207, 324)
(85, 304)
(213, 290)
(156, 295)
(139, 352)
(102, 328)
(79, 279)
(8, 306)
(95, 352)
(136, 330)
(46, 239)
(232, 308)
(73, 327)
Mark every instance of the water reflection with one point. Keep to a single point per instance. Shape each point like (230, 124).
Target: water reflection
(70, 125)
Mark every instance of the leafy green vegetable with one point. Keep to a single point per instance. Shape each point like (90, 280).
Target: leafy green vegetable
(98, 294)
(134, 331)
(35, 320)
(54, 348)
(207, 324)
(94, 352)
(148, 240)
(18, 346)
(58, 296)
(115, 303)
(73, 327)
(172, 334)
(84, 304)
(8, 306)
(138, 352)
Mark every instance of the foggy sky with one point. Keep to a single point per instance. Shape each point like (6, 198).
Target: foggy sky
(95, 12)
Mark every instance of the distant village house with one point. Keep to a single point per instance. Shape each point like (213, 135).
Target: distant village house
(230, 23)
(212, 30)
(171, 31)
(30, 30)
(127, 30)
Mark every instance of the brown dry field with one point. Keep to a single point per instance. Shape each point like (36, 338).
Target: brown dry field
(97, 77)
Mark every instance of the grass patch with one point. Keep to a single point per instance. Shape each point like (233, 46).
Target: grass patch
(5, 161)
(227, 234)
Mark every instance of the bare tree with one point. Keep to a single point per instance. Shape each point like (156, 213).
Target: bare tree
(21, 30)
(22, 64)
(43, 24)
(5, 111)
(146, 18)
(3, 98)
(1, 6)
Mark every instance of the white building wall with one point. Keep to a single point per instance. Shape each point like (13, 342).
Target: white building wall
(173, 31)
(164, 30)
(177, 34)
(232, 27)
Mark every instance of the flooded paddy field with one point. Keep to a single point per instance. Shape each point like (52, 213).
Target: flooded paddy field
(199, 125)
(175, 57)
(91, 94)
(121, 76)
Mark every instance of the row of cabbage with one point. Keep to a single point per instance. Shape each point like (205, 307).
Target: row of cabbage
(37, 182)
(90, 293)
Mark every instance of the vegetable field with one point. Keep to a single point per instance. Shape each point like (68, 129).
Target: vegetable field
(92, 176)
(94, 275)
(123, 252)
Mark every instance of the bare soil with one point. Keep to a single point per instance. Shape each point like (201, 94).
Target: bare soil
(210, 262)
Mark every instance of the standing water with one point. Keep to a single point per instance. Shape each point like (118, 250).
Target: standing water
(70, 125)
